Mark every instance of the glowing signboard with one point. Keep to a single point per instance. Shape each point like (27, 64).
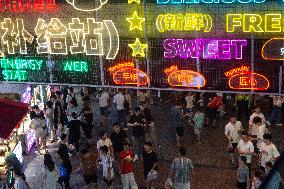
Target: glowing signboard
(273, 49)
(127, 74)
(16, 69)
(272, 23)
(28, 6)
(135, 21)
(76, 66)
(242, 79)
(184, 78)
(204, 48)
(187, 22)
(87, 7)
(52, 37)
(138, 48)
(177, 2)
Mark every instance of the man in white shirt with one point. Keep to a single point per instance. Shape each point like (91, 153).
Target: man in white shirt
(232, 132)
(268, 151)
(276, 113)
(103, 104)
(257, 113)
(104, 141)
(119, 99)
(246, 148)
(257, 130)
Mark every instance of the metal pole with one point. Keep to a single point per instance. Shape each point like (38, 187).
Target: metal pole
(146, 41)
(280, 78)
(101, 60)
(252, 54)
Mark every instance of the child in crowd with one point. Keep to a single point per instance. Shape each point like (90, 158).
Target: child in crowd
(106, 161)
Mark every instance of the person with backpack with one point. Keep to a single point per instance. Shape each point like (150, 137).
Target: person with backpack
(214, 103)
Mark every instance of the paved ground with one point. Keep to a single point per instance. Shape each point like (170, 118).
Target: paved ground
(212, 169)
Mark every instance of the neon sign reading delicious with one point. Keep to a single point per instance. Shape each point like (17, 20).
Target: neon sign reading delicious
(204, 48)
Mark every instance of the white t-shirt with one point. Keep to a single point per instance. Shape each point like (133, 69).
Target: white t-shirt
(107, 142)
(103, 100)
(259, 131)
(118, 99)
(268, 152)
(256, 115)
(233, 131)
(107, 163)
(189, 102)
(246, 147)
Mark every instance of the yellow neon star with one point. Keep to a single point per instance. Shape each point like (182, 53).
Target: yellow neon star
(138, 48)
(131, 1)
(2, 55)
(135, 21)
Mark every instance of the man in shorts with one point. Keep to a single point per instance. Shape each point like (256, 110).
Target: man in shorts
(176, 114)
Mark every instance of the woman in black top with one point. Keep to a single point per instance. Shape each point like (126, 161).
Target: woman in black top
(74, 131)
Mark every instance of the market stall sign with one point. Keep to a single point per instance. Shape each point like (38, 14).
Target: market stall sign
(184, 78)
(27, 6)
(52, 37)
(76, 66)
(127, 74)
(204, 48)
(243, 79)
(273, 49)
(17, 69)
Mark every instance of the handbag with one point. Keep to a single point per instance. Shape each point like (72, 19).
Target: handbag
(152, 175)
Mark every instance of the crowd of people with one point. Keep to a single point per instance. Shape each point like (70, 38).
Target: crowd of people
(68, 118)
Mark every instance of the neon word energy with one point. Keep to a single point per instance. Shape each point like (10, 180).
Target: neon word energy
(204, 48)
(76, 66)
(272, 23)
(206, 1)
(273, 49)
(52, 36)
(28, 6)
(127, 74)
(17, 69)
(187, 22)
(184, 78)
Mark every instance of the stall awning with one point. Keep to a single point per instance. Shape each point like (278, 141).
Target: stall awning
(11, 115)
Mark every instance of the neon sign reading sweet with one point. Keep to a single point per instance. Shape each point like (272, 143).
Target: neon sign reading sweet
(52, 37)
(28, 6)
(184, 78)
(187, 22)
(127, 74)
(204, 48)
(242, 79)
(177, 2)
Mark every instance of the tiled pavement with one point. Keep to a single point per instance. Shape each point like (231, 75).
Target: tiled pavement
(212, 169)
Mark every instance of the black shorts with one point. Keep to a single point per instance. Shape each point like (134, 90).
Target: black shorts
(108, 182)
(90, 178)
(234, 147)
(241, 185)
(180, 131)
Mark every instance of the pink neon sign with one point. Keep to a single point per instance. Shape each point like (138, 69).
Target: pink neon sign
(204, 48)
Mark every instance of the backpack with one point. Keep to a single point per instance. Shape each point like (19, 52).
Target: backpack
(63, 172)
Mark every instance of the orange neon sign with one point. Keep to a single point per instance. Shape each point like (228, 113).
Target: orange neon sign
(127, 74)
(184, 78)
(242, 79)
(273, 49)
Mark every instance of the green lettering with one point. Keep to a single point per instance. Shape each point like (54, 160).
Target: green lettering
(5, 74)
(84, 66)
(77, 66)
(68, 66)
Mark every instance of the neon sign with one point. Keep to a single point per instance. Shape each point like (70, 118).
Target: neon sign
(177, 2)
(204, 48)
(52, 37)
(16, 69)
(187, 22)
(271, 23)
(76, 66)
(28, 6)
(184, 78)
(135, 21)
(242, 79)
(273, 49)
(127, 74)
(138, 48)
(81, 6)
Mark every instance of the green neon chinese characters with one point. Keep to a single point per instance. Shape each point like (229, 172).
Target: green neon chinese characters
(76, 66)
(16, 69)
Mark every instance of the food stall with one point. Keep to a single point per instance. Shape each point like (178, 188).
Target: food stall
(15, 135)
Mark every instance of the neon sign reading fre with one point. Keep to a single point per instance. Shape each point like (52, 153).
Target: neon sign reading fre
(204, 48)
